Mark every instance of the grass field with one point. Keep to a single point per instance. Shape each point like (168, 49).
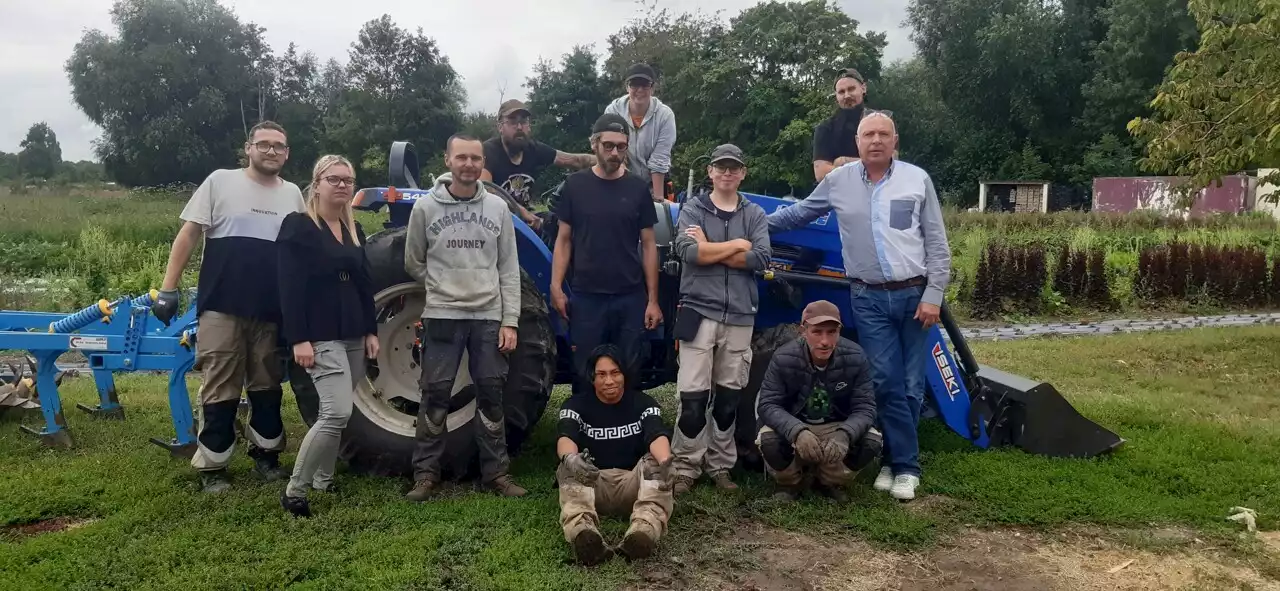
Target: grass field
(1199, 410)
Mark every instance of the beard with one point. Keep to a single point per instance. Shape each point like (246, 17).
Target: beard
(608, 164)
(517, 144)
(266, 167)
(849, 118)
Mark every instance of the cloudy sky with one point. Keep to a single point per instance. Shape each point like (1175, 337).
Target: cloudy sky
(491, 43)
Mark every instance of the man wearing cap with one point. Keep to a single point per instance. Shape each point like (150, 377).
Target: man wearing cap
(895, 251)
(651, 128)
(723, 239)
(816, 407)
(834, 142)
(513, 160)
(606, 221)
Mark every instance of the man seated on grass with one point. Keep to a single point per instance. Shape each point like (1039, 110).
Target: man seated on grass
(615, 458)
(816, 405)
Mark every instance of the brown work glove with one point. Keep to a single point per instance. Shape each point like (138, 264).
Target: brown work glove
(578, 467)
(835, 446)
(808, 447)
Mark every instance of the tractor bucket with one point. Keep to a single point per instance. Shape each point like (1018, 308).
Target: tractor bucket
(1035, 417)
(1012, 410)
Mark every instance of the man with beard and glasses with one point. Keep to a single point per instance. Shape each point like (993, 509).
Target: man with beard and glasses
(238, 212)
(606, 220)
(461, 246)
(834, 142)
(513, 160)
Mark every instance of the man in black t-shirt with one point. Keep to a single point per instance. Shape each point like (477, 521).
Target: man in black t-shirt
(514, 161)
(606, 219)
(615, 458)
(834, 142)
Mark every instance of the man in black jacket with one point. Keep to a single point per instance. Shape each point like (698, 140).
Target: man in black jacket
(816, 406)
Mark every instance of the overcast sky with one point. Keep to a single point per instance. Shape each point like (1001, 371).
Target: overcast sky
(491, 43)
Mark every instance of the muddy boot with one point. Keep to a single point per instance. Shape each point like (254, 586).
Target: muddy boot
(639, 542)
(267, 467)
(788, 493)
(723, 482)
(298, 506)
(422, 490)
(589, 547)
(681, 485)
(215, 481)
(506, 487)
(835, 493)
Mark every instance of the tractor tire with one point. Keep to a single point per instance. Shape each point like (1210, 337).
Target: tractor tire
(763, 344)
(379, 438)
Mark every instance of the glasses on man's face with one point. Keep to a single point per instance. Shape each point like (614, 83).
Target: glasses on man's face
(728, 168)
(517, 121)
(640, 83)
(611, 146)
(267, 147)
(339, 181)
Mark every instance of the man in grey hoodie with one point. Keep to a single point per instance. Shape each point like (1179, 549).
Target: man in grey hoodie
(460, 244)
(723, 239)
(652, 127)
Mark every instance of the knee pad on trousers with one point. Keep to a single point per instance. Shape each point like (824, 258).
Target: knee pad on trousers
(489, 406)
(777, 452)
(864, 451)
(218, 431)
(724, 410)
(435, 418)
(264, 412)
(693, 412)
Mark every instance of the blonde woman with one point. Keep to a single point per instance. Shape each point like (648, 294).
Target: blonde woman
(327, 302)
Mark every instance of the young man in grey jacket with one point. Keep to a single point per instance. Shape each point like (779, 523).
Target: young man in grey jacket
(652, 127)
(723, 240)
(460, 244)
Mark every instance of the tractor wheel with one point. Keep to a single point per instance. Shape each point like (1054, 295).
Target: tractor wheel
(379, 438)
(763, 344)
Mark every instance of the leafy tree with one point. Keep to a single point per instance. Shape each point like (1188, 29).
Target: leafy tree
(8, 166)
(565, 102)
(1218, 110)
(41, 154)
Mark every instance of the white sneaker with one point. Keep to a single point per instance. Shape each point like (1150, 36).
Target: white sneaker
(885, 480)
(904, 487)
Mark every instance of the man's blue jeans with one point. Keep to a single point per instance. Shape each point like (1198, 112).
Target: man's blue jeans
(894, 342)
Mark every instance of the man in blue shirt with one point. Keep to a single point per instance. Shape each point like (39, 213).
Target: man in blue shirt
(896, 254)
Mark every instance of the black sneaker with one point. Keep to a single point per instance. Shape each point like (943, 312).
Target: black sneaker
(298, 506)
(214, 481)
(268, 468)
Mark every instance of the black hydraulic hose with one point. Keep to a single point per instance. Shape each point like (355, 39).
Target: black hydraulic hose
(960, 345)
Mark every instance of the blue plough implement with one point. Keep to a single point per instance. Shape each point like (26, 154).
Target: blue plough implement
(121, 335)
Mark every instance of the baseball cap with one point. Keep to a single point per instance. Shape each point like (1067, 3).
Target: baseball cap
(610, 122)
(727, 152)
(640, 71)
(511, 106)
(819, 312)
(850, 73)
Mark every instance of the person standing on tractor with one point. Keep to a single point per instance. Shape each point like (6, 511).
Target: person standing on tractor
(816, 408)
(514, 161)
(651, 129)
(834, 140)
(461, 245)
(895, 250)
(606, 220)
(723, 239)
(615, 459)
(238, 212)
(326, 296)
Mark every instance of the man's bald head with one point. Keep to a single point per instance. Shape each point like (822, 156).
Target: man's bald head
(877, 139)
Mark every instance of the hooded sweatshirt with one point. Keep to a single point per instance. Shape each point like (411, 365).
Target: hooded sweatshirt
(460, 249)
(717, 291)
(649, 148)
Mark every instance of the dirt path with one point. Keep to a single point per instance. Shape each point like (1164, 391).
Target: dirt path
(760, 558)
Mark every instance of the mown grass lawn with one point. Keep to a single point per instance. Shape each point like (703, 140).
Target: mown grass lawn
(1199, 411)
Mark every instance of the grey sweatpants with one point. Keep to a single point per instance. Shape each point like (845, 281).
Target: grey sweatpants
(338, 367)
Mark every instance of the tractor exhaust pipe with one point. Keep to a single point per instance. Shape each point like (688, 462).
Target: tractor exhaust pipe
(1029, 414)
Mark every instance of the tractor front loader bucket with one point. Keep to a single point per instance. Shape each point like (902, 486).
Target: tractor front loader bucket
(1007, 409)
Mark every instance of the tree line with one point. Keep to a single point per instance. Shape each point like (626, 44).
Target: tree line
(39, 159)
(1018, 89)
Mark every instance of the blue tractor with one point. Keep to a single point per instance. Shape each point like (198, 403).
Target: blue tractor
(984, 405)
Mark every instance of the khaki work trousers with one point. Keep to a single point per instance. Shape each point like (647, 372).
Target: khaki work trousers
(717, 360)
(619, 493)
(832, 474)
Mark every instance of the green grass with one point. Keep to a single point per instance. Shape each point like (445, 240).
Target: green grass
(1198, 409)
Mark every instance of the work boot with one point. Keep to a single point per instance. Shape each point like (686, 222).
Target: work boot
(787, 493)
(298, 506)
(506, 487)
(422, 489)
(681, 485)
(215, 481)
(589, 547)
(723, 482)
(639, 542)
(267, 467)
(836, 493)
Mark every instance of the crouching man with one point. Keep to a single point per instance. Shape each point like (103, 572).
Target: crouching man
(615, 459)
(816, 406)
